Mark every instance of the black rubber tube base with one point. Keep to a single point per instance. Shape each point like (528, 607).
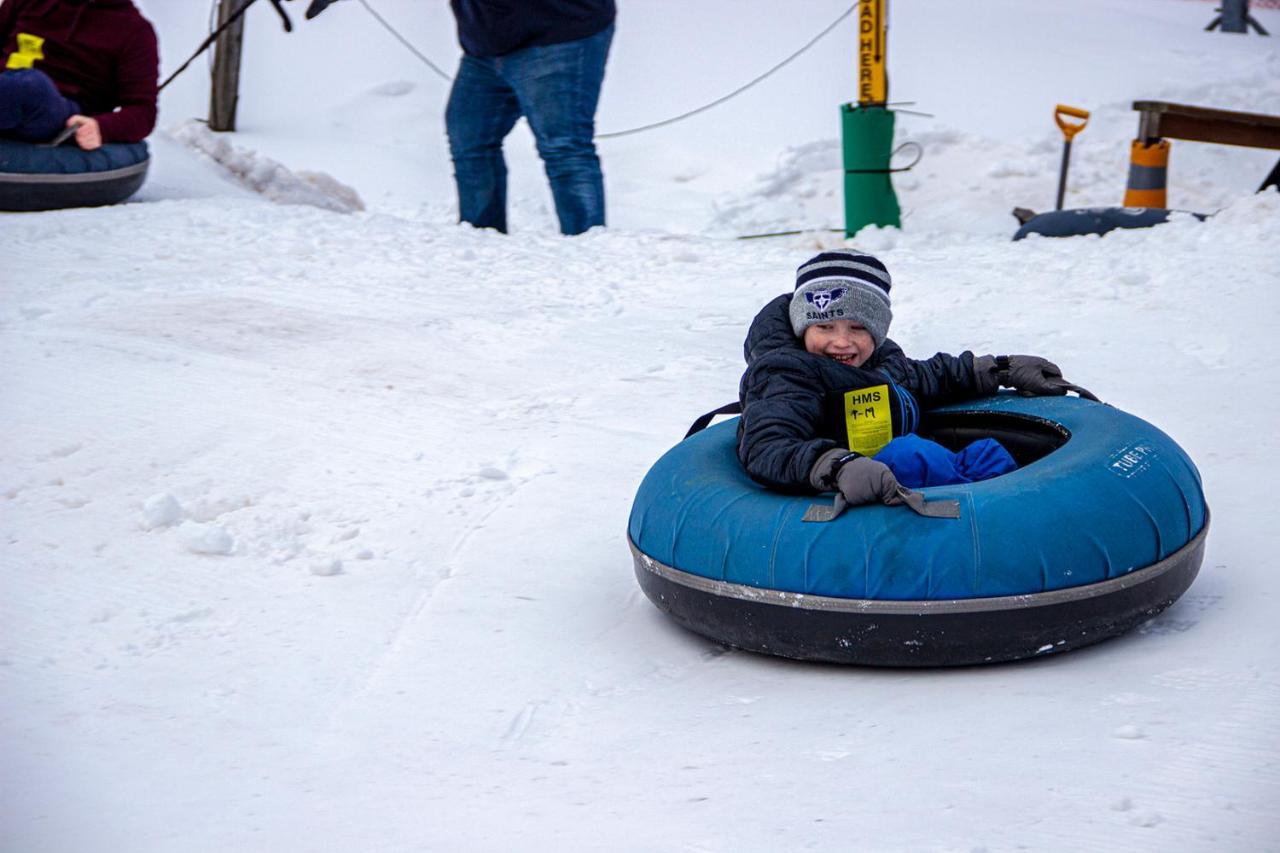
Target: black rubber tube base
(27, 193)
(918, 633)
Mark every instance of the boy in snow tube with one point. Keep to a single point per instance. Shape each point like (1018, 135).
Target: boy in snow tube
(90, 65)
(829, 403)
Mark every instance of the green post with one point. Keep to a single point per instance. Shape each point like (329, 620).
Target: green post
(868, 191)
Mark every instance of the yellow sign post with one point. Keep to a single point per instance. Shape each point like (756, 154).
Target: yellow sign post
(873, 44)
(867, 128)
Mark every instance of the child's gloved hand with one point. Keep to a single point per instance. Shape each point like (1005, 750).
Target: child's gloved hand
(1033, 375)
(860, 479)
(1029, 374)
(864, 480)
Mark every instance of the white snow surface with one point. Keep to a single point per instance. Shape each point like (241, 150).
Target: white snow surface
(312, 523)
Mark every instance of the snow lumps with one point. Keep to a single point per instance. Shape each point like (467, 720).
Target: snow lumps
(161, 510)
(62, 451)
(206, 538)
(392, 89)
(267, 177)
(327, 568)
(344, 535)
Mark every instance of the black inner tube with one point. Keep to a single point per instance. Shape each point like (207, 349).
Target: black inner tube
(1027, 438)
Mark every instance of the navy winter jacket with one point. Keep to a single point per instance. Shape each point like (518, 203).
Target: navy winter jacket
(492, 28)
(785, 390)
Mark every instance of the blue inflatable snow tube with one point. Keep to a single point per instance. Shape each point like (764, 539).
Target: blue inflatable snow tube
(1101, 497)
(1077, 222)
(41, 177)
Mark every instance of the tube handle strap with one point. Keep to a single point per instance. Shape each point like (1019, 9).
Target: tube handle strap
(703, 421)
(945, 508)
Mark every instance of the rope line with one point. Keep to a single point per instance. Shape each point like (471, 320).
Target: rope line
(919, 149)
(790, 233)
(213, 35)
(738, 91)
(717, 102)
(404, 41)
(225, 25)
(204, 45)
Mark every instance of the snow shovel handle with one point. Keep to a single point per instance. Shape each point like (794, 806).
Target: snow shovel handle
(1068, 129)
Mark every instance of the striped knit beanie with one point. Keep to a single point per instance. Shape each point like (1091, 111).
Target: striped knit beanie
(843, 284)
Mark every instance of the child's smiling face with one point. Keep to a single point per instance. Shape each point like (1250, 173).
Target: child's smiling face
(842, 340)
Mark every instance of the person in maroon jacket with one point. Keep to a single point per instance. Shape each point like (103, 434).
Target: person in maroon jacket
(87, 64)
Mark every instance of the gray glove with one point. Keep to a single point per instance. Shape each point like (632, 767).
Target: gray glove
(864, 480)
(1029, 374)
(860, 479)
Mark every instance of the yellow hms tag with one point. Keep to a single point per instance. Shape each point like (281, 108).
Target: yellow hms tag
(868, 419)
(30, 48)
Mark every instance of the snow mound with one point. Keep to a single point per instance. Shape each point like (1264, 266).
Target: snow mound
(268, 177)
(161, 510)
(206, 538)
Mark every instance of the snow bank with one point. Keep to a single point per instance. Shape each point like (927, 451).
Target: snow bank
(312, 523)
(265, 176)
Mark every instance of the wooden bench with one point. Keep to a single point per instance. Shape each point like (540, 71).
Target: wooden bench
(1159, 120)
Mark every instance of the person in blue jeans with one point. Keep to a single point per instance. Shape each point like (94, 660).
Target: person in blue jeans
(541, 59)
(544, 60)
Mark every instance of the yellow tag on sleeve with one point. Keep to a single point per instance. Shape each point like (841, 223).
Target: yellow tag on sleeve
(30, 48)
(868, 419)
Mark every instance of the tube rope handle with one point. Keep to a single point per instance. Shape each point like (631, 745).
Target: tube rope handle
(914, 501)
(1068, 129)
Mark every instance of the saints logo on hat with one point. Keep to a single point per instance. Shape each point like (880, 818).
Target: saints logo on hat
(820, 299)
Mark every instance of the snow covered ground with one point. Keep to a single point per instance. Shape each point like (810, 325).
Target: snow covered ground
(312, 523)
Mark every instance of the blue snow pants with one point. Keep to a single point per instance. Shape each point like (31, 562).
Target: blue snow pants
(918, 462)
(31, 107)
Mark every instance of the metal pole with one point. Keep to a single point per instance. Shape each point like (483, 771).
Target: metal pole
(1062, 174)
(225, 93)
(1235, 14)
(1069, 130)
